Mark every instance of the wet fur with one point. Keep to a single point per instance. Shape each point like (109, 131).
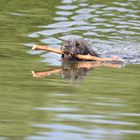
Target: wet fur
(77, 46)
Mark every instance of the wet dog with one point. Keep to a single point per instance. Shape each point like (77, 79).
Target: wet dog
(73, 47)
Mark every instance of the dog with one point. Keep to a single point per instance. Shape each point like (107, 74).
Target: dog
(73, 47)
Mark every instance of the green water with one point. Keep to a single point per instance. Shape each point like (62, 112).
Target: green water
(103, 105)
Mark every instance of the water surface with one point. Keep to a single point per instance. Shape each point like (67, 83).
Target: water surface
(79, 101)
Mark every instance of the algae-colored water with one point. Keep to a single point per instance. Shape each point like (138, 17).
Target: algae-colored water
(100, 103)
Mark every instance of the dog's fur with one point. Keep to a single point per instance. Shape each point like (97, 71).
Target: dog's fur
(73, 47)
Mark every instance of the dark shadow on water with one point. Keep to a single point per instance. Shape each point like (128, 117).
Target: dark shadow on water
(76, 71)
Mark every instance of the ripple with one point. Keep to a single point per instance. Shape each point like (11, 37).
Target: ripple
(60, 18)
(117, 9)
(122, 26)
(51, 40)
(129, 131)
(65, 30)
(114, 122)
(61, 134)
(18, 14)
(57, 109)
(97, 6)
(53, 31)
(52, 58)
(33, 35)
(82, 17)
(64, 24)
(64, 13)
(91, 33)
(130, 114)
(109, 104)
(59, 127)
(83, 4)
(67, 1)
(84, 11)
(67, 7)
(66, 37)
(78, 116)
(121, 4)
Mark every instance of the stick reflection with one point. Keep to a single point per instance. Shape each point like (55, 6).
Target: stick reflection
(74, 71)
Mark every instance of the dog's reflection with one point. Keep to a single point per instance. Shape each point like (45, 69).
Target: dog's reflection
(75, 71)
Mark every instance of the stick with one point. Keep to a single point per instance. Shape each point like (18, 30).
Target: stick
(90, 57)
(46, 48)
(79, 56)
(95, 64)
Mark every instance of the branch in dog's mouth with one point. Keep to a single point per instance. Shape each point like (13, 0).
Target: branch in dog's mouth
(79, 56)
(77, 50)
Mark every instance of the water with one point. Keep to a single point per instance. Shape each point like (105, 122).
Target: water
(43, 98)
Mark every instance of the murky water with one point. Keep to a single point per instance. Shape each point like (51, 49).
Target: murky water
(43, 98)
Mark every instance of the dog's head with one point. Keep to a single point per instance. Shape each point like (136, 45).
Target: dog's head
(77, 46)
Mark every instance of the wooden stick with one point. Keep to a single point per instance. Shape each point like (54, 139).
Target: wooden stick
(79, 56)
(95, 64)
(90, 57)
(46, 48)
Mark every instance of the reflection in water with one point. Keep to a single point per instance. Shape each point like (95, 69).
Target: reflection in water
(74, 71)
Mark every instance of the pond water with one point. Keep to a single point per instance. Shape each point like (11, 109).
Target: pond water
(43, 98)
